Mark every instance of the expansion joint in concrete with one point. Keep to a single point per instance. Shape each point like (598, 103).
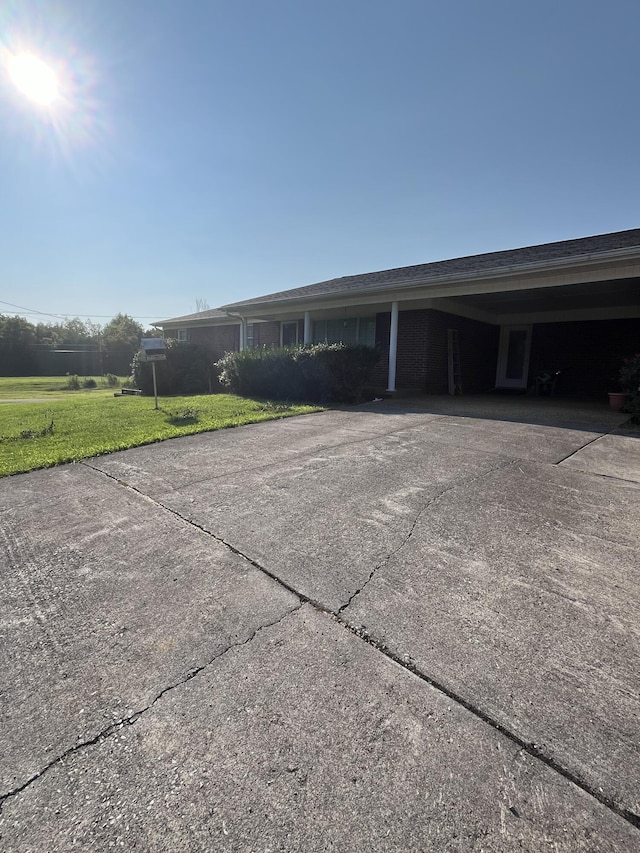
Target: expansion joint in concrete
(527, 747)
(586, 444)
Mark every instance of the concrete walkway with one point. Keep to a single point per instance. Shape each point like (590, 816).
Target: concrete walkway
(407, 626)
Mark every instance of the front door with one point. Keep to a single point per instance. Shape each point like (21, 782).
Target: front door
(513, 357)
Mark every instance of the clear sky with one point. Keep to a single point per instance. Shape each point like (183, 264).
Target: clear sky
(222, 149)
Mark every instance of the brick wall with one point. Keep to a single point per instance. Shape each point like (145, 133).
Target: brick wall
(266, 334)
(216, 339)
(422, 351)
(589, 354)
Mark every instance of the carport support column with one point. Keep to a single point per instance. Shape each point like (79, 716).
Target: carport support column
(393, 346)
(242, 343)
(307, 327)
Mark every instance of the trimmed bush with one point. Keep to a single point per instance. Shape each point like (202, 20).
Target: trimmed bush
(320, 373)
(187, 370)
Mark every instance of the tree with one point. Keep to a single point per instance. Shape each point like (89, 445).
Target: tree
(17, 339)
(121, 340)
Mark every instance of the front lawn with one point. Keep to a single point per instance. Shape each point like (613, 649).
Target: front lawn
(28, 387)
(88, 423)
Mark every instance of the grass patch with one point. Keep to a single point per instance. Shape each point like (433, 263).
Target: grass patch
(89, 423)
(28, 387)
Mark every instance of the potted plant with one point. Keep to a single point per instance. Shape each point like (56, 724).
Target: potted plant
(629, 378)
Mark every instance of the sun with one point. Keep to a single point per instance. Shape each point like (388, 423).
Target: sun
(34, 78)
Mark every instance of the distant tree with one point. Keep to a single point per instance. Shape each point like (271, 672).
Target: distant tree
(75, 331)
(120, 341)
(17, 339)
(202, 304)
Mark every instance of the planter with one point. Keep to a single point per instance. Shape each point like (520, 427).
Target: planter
(617, 399)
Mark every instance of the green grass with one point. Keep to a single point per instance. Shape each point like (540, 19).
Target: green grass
(27, 387)
(88, 423)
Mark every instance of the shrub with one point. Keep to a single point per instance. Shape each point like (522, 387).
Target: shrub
(73, 383)
(187, 370)
(630, 374)
(89, 383)
(320, 373)
(112, 380)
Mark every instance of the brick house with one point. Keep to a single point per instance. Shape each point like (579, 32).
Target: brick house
(477, 323)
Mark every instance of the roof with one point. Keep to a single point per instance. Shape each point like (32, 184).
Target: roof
(471, 265)
(209, 314)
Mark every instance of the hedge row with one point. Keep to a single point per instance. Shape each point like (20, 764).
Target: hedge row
(320, 373)
(187, 370)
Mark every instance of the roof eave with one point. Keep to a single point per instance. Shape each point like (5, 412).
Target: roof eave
(463, 277)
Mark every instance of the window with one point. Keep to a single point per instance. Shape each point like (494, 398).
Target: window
(351, 330)
(250, 335)
(289, 334)
(181, 335)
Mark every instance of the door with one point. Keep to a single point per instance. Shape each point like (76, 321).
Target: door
(513, 357)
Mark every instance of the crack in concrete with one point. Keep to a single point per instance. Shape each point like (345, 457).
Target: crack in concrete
(110, 730)
(421, 512)
(530, 748)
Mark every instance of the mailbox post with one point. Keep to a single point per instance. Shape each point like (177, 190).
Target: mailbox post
(153, 349)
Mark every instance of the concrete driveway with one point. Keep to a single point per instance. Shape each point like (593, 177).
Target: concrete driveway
(400, 627)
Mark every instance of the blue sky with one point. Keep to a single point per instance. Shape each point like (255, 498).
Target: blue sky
(220, 150)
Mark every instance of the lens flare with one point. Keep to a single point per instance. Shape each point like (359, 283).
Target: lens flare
(34, 78)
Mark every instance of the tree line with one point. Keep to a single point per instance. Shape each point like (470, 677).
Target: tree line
(69, 346)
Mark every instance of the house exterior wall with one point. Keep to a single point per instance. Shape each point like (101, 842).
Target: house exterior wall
(588, 354)
(422, 360)
(216, 339)
(266, 334)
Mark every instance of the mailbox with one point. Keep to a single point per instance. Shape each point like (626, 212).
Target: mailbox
(153, 349)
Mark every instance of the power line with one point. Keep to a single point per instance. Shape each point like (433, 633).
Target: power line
(33, 311)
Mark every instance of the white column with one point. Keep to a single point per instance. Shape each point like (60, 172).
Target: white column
(393, 346)
(307, 327)
(243, 337)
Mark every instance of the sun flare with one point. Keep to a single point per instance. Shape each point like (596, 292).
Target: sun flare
(34, 78)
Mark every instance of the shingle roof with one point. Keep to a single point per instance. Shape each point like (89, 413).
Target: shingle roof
(472, 264)
(209, 314)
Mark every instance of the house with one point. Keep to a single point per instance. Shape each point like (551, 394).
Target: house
(476, 323)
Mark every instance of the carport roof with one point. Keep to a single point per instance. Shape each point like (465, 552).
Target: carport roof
(472, 265)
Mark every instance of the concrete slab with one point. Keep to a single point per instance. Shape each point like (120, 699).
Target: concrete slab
(306, 738)
(147, 704)
(615, 455)
(519, 593)
(106, 600)
(228, 453)
(322, 522)
(535, 428)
